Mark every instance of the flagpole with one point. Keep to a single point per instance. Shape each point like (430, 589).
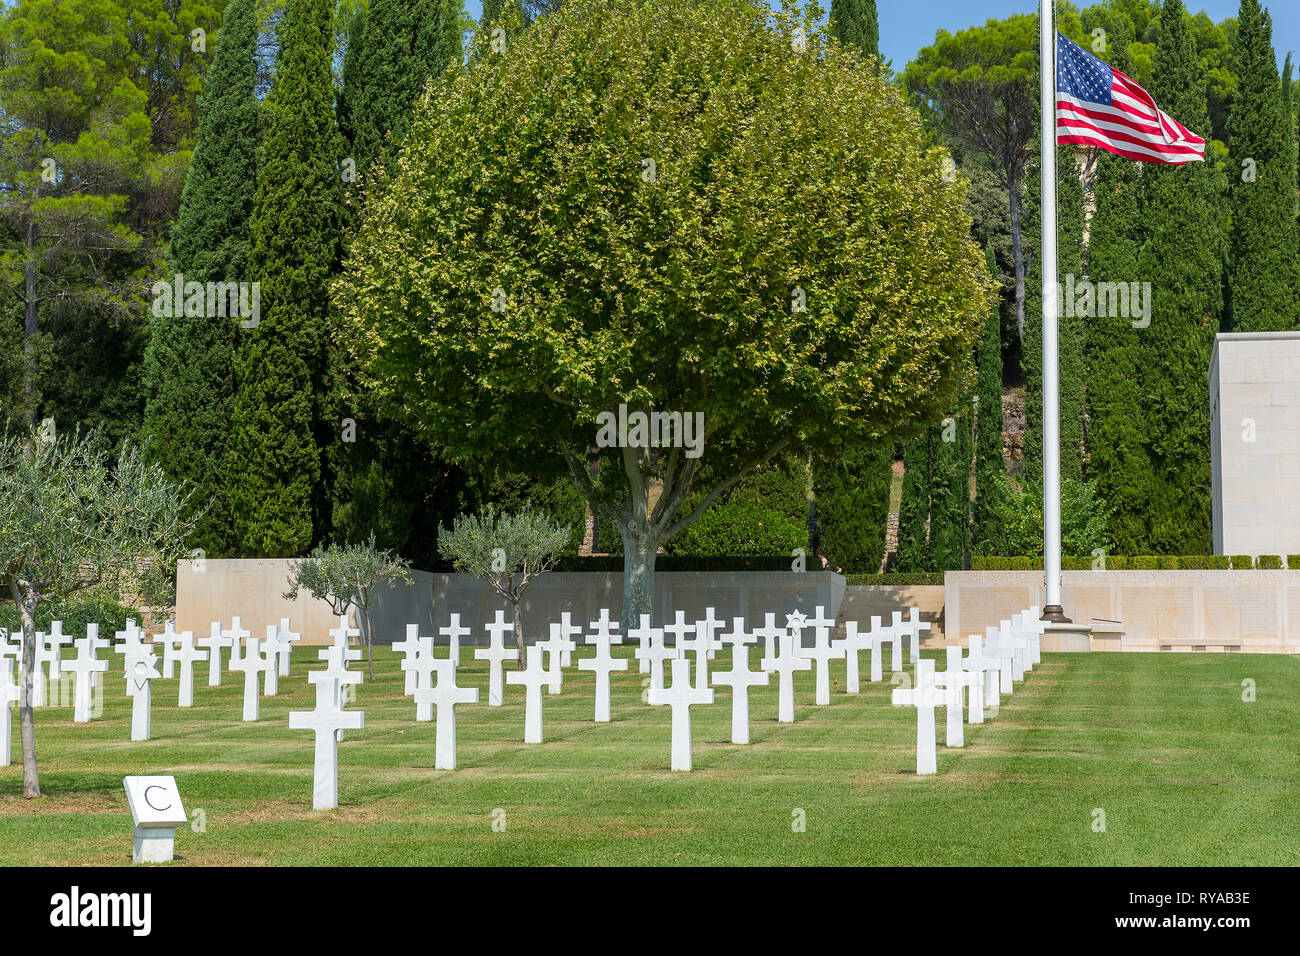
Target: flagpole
(1051, 291)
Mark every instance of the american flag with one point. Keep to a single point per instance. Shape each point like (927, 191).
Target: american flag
(1097, 105)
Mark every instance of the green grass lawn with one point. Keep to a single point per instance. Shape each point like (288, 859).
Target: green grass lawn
(1185, 771)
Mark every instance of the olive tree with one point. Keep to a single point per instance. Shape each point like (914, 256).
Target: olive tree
(700, 210)
(74, 518)
(507, 550)
(345, 576)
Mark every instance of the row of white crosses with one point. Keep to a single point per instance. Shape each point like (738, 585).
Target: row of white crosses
(991, 666)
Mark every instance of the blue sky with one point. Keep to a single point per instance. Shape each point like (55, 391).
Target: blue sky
(908, 25)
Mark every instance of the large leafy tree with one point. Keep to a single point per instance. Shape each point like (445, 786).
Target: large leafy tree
(189, 365)
(1182, 258)
(706, 236)
(281, 416)
(1262, 276)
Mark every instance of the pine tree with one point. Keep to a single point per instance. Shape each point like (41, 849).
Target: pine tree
(989, 463)
(189, 365)
(282, 364)
(1182, 259)
(1070, 325)
(1261, 279)
(1118, 455)
(854, 23)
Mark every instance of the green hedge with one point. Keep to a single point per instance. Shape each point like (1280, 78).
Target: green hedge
(899, 579)
(75, 613)
(1293, 562)
(1140, 562)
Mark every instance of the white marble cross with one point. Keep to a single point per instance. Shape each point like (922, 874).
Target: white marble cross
(785, 664)
(1012, 640)
(445, 695)
(10, 652)
(337, 656)
(496, 654)
(534, 677)
(328, 721)
(251, 663)
(707, 628)
(822, 652)
(768, 634)
(1006, 665)
(57, 640)
(984, 668)
(214, 642)
(915, 626)
(422, 664)
(558, 646)
(699, 644)
(569, 634)
(85, 665)
(237, 634)
(49, 653)
(680, 696)
(603, 663)
(187, 655)
(954, 681)
(272, 648)
(1032, 629)
(881, 634)
(167, 640)
(925, 698)
(794, 625)
(10, 694)
(678, 630)
(849, 645)
(409, 648)
(740, 679)
(291, 637)
(654, 650)
(141, 672)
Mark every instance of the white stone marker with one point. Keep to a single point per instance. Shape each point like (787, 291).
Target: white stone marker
(496, 654)
(993, 648)
(445, 695)
(533, 677)
(1011, 639)
(954, 681)
(708, 628)
(271, 649)
(44, 658)
(654, 650)
(237, 634)
(85, 665)
(849, 645)
(422, 664)
(214, 642)
(604, 662)
(291, 637)
(10, 652)
(822, 653)
(794, 625)
(409, 648)
(558, 646)
(167, 641)
(880, 635)
(1032, 629)
(678, 631)
(141, 672)
(337, 656)
(187, 655)
(10, 693)
(768, 634)
(680, 697)
(915, 626)
(328, 721)
(251, 663)
(569, 634)
(986, 669)
(925, 699)
(56, 640)
(740, 679)
(785, 666)
(698, 643)
(156, 812)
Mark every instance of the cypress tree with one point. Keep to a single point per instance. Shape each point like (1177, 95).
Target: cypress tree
(1070, 325)
(950, 498)
(282, 364)
(1182, 259)
(854, 23)
(913, 553)
(989, 464)
(189, 365)
(852, 502)
(1262, 272)
(1117, 453)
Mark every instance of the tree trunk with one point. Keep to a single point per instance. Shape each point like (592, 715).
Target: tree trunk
(26, 604)
(370, 654)
(639, 549)
(1017, 254)
(519, 636)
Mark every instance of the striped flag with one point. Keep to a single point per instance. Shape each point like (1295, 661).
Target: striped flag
(1097, 105)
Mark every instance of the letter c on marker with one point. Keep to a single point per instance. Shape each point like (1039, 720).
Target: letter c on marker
(150, 802)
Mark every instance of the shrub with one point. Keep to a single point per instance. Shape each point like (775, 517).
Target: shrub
(75, 613)
(740, 529)
(897, 579)
(1268, 562)
(1242, 562)
(1293, 562)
